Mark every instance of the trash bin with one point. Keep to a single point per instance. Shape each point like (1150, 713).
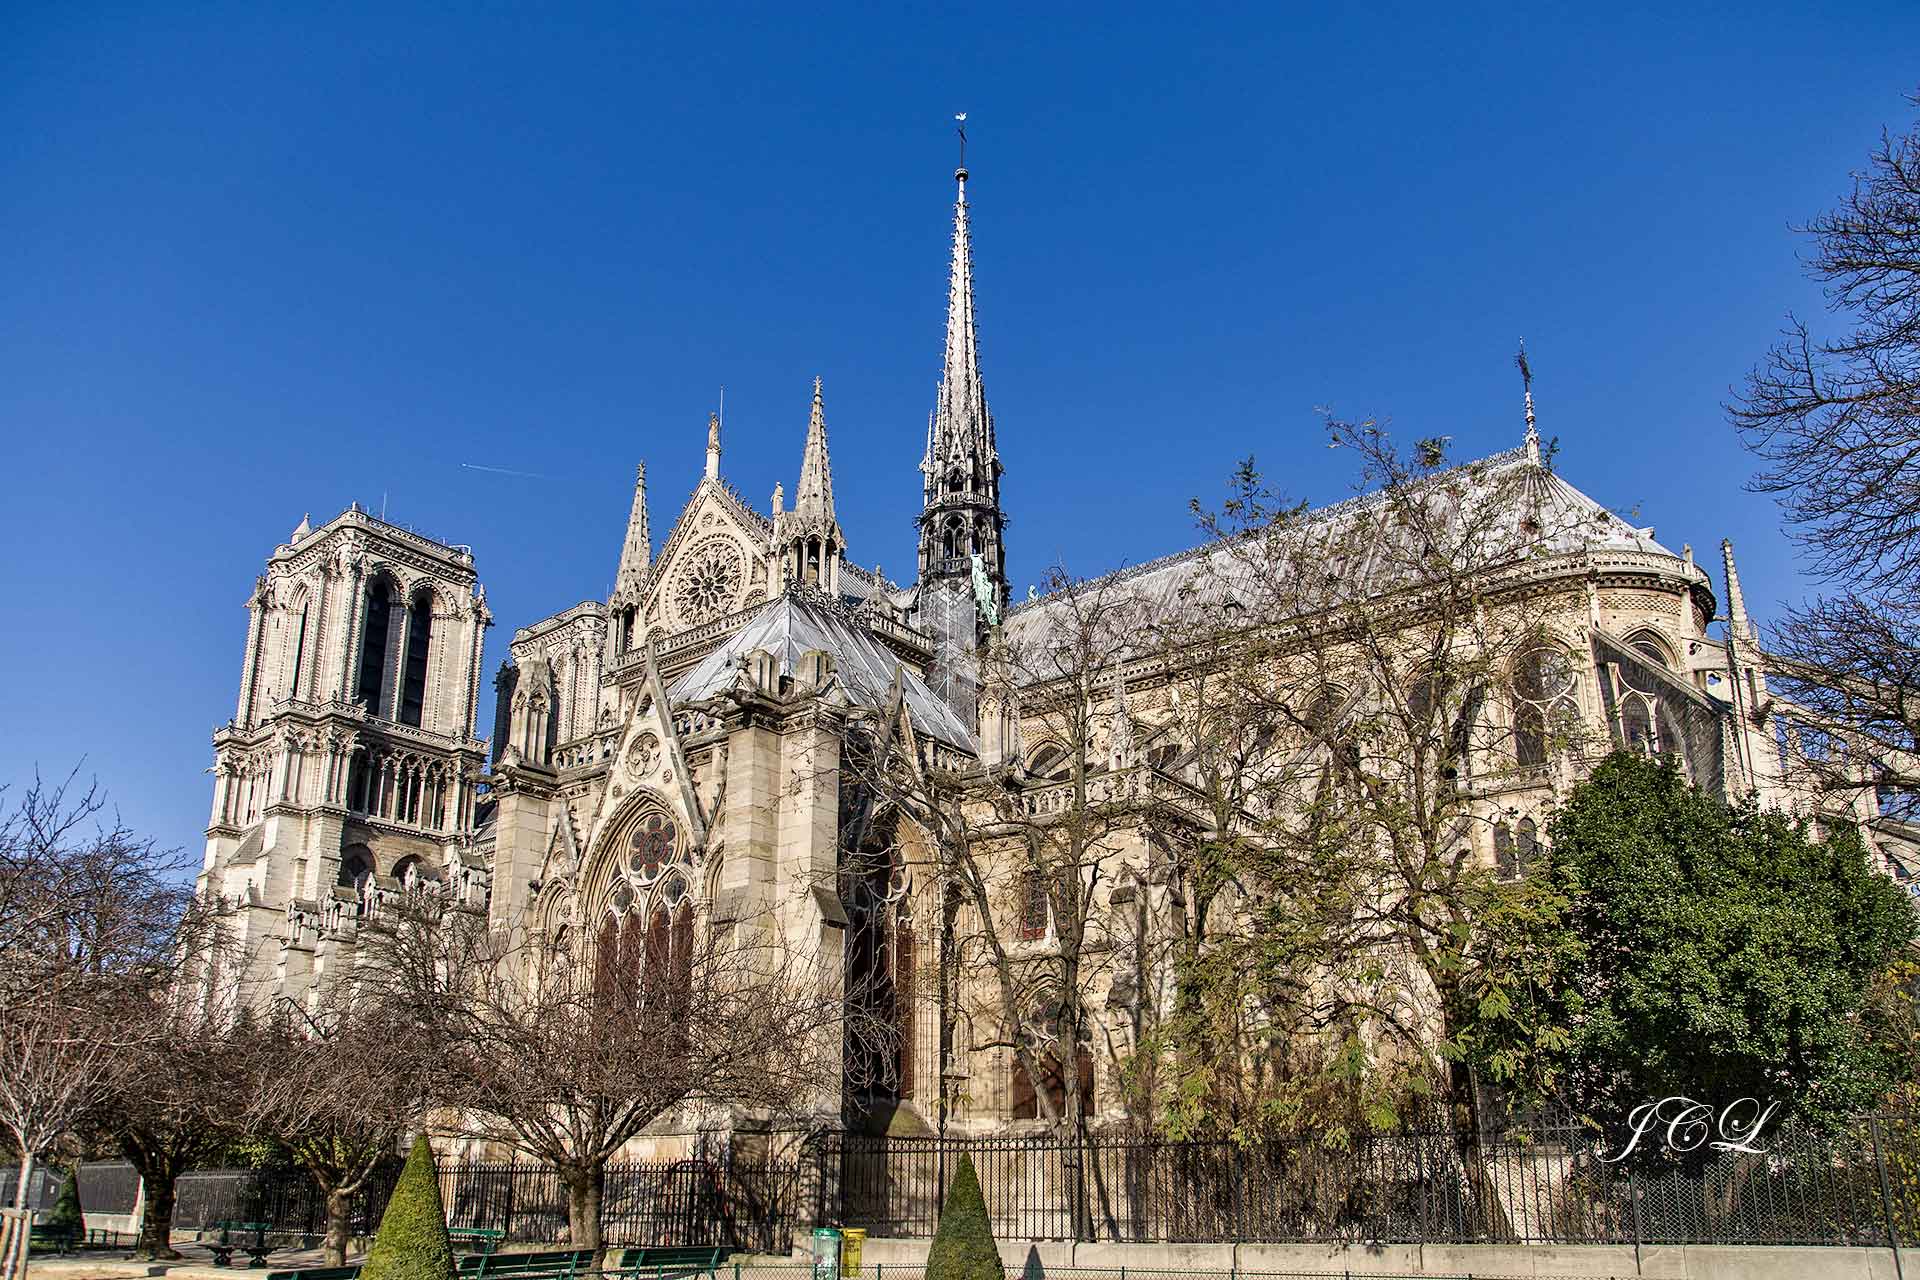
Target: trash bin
(826, 1253)
(852, 1239)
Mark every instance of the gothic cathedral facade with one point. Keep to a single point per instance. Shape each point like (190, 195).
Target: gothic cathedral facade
(676, 747)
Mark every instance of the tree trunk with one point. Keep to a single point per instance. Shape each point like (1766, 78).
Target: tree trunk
(156, 1216)
(339, 1226)
(13, 1257)
(1489, 1214)
(26, 1176)
(584, 1185)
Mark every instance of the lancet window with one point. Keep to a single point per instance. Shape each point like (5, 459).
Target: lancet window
(1043, 1034)
(1543, 706)
(374, 628)
(413, 675)
(643, 953)
(882, 958)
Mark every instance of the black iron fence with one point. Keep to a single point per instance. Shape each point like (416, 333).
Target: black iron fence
(744, 1205)
(696, 1202)
(1543, 1183)
(1539, 1184)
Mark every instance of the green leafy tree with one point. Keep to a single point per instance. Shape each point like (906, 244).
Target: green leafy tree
(963, 1244)
(412, 1242)
(1719, 952)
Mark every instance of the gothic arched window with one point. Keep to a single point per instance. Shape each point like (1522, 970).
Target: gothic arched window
(1542, 701)
(299, 649)
(1529, 843)
(372, 685)
(1043, 1035)
(413, 668)
(1442, 716)
(1505, 864)
(1639, 710)
(356, 868)
(1650, 646)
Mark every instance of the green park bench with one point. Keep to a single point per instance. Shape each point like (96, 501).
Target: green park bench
(554, 1262)
(318, 1273)
(479, 1239)
(58, 1239)
(671, 1261)
(256, 1252)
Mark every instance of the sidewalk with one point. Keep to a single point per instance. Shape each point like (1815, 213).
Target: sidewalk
(195, 1264)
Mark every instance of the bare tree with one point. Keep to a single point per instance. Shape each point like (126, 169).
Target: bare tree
(1837, 422)
(1389, 673)
(90, 929)
(1838, 419)
(179, 1074)
(569, 1058)
(337, 1089)
(1026, 855)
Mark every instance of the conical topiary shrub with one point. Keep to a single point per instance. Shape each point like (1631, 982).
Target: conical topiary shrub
(412, 1241)
(64, 1221)
(963, 1245)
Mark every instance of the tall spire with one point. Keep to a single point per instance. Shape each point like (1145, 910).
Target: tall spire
(962, 425)
(814, 495)
(636, 554)
(960, 518)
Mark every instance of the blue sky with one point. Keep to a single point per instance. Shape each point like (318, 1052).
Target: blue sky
(260, 261)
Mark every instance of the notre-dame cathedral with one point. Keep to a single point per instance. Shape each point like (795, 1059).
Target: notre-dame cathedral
(646, 750)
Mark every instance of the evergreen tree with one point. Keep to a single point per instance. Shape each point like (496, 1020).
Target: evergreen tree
(65, 1218)
(1719, 952)
(412, 1242)
(963, 1244)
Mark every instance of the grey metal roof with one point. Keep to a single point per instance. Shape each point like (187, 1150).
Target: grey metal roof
(1569, 521)
(799, 621)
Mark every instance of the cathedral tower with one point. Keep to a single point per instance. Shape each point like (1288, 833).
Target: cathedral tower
(960, 516)
(349, 770)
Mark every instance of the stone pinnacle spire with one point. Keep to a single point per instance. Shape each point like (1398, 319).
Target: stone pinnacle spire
(1737, 620)
(814, 495)
(807, 539)
(636, 554)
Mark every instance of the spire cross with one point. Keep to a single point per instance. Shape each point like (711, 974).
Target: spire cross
(1526, 380)
(962, 131)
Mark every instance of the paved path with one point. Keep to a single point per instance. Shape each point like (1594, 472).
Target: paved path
(195, 1264)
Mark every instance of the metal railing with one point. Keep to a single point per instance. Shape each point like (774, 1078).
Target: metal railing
(1543, 1184)
(742, 1205)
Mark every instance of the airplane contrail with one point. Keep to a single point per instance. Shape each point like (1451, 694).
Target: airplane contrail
(505, 471)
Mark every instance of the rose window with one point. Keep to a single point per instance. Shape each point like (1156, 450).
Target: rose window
(711, 580)
(650, 848)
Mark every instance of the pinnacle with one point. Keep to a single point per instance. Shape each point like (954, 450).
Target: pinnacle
(813, 496)
(636, 553)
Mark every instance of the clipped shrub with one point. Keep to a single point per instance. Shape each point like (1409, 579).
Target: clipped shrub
(65, 1220)
(412, 1243)
(963, 1244)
